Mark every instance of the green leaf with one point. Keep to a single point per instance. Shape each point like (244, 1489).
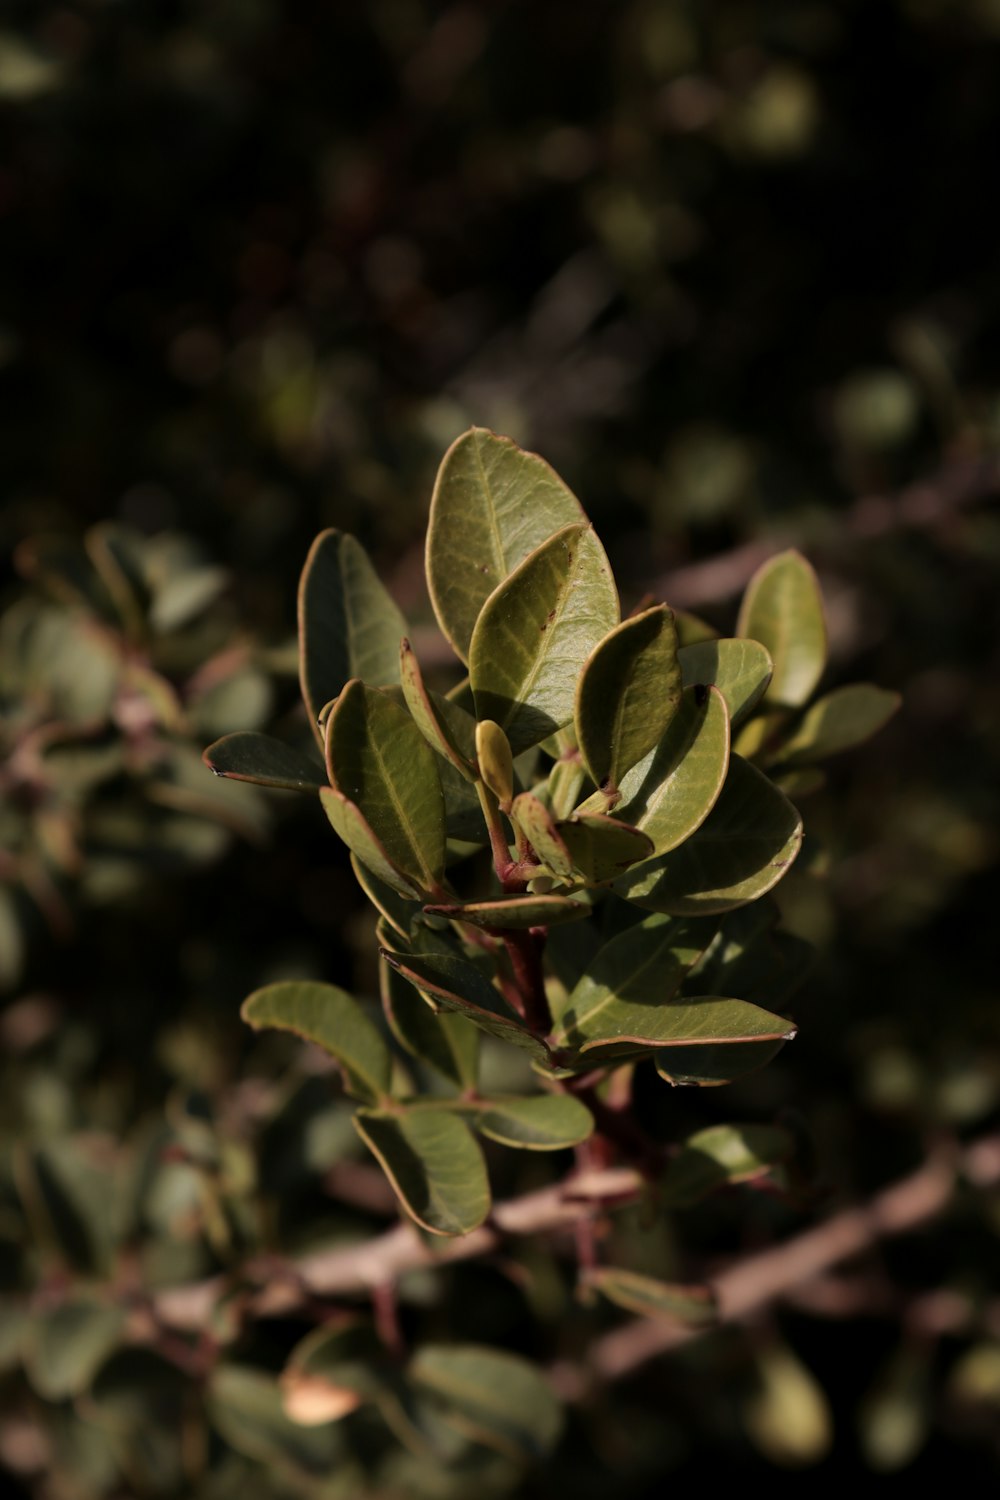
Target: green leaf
(434, 1164)
(601, 848)
(492, 505)
(844, 718)
(399, 913)
(700, 1021)
(435, 717)
(743, 848)
(632, 976)
(691, 629)
(787, 1416)
(245, 1406)
(496, 1398)
(627, 694)
(324, 1014)
(741, 670)
(454, 983)
(378, 759)
(783, 610)
(544, 1122)
(248, 756)
(348, 823)
(515, 912)
(65, 1345)
(691, 1306)
(444, 1039)
(707, 1067)
(535, 632)
(539, 828)
(348, 624)
(674, 788)
(724, 1155)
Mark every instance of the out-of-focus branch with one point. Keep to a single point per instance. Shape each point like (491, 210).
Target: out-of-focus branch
(751, 1284)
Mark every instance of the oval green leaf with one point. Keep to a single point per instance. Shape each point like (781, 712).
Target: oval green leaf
(434, 1164)
(741, 670)
(430, 714)
(535, 632)
(492, 505)
(703, 1020)
(248, 756)
(707, 1067)
(691, 1306)
(454, 983)
(516, 912)
(348, 624)
(539, 828)
(496, 763)
(743, 848)
(673, 789)
(842, 719)
(444, 1039)
(348, 823)
(783, 610)
(601, 848)
(378, 759)
(501, 1399)
(723, 1155)
(324, 1014)
(627, 694)
(545, 1122)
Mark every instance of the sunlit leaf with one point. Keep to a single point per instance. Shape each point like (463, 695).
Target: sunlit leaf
(434, 1164)
(535, 632)
(842, 719)
(333, 1020)
(724, 1155)
(516, 911)
(788, 1417)
(783, 610)
(601, 848)
(435, 717)
(740, 669)
(627, 694)
(492, 505)
(543, 1122)
(496, 763)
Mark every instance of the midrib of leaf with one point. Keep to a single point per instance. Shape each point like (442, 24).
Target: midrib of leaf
(542, 656)
(432, 879)
(500, 556)
(612, 995)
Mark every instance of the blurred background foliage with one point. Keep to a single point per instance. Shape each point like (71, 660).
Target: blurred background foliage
(732, 268)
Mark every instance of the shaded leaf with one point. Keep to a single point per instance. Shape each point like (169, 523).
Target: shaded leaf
(516, 911)
(634, 974)
(454, 983)
(492, 505)
(844, 718)
(535, 632)
(348, 624)
(333, 1020)
(435, 717)
(434, 1164)
(600, 848)
(65, 1345)
(692, 1306)
(496, 1398)
(245, 1406)
(743, 848)
(724, 1155)
(378, 759)
(740, 669)
(627, 694)
(443, 1039)
(783, 610)
(397, 911)
(349, 824)
(544, 1122)
(539, 828)
(674, 788)
(248, 756)
(707, 1067)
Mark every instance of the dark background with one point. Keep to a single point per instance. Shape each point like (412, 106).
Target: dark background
(732, 268)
